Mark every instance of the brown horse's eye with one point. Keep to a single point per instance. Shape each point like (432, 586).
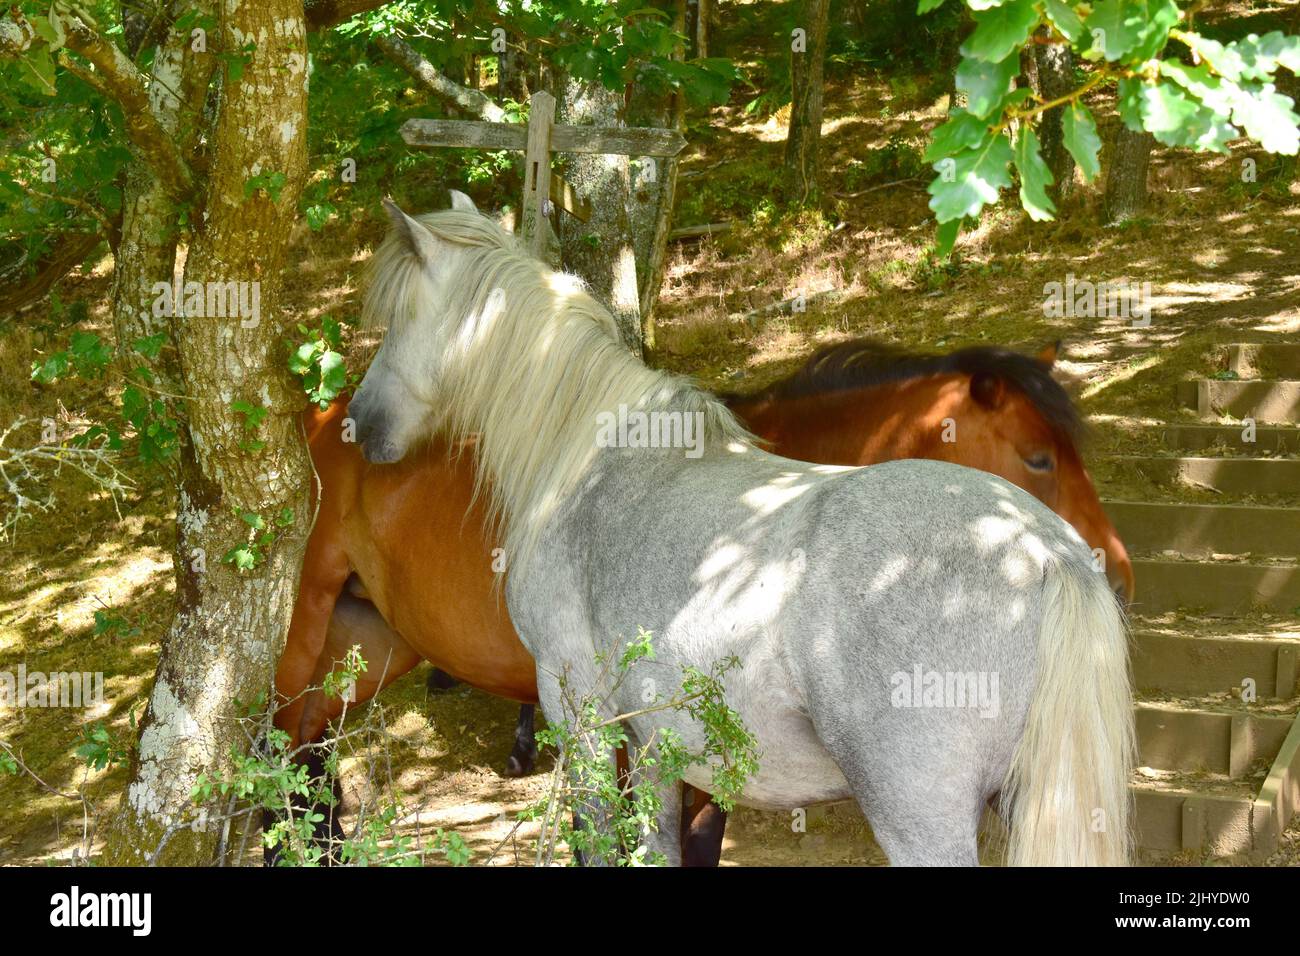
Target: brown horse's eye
(1040, 463)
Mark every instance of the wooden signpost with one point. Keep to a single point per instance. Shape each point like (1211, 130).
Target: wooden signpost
(541, 137)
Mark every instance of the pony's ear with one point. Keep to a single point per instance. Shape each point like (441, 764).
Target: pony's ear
(1049, 353)
(507, 220)
(460, 202)
(416, 238)
(987, 389)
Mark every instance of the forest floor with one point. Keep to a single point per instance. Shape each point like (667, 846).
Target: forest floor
(1222, 256)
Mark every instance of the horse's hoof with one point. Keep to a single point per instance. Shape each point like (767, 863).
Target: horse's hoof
(518, 768)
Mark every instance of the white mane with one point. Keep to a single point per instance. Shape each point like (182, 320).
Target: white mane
(533, 360)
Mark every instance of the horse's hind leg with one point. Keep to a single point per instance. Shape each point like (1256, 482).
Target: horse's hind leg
(923, 809)
(524, 756)
(918, 829)
(355, 622)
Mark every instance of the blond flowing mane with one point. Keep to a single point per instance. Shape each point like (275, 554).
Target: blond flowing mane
(533, 359)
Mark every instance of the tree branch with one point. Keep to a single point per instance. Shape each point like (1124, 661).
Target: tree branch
(469, 101)
(117, 77)
(17, 290)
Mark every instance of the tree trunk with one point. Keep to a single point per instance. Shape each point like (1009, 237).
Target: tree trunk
(807, 61)
(1126, 181)
(1054, 71)
(653, 197)
(229, 627)
(146, 250)
(699, 15)
(602, 251)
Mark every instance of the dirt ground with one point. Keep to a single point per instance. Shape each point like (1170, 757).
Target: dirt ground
(1222, 257)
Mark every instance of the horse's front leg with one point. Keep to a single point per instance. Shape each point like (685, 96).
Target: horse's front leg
(703, 823)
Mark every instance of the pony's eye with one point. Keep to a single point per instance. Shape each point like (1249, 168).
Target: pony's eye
(1041, 462)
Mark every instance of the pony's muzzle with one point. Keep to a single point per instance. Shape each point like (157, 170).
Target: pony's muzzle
(373, 436)
(380, 451)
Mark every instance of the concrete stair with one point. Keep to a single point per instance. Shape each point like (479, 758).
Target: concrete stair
(1216, 635)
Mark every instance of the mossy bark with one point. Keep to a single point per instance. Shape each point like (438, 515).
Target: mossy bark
(602, 250)
(220, 652)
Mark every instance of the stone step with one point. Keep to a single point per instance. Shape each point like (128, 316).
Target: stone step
(1199, 530)
(1217, 586)
(1265, 360)
(1188, 739)
(1186, 664)
(1269, 439)
(1277, 402)
(1234, 476)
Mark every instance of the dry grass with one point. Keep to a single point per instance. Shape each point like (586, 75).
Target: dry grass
(1221, 258)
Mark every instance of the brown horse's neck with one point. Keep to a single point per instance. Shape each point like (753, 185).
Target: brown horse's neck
(855, 426)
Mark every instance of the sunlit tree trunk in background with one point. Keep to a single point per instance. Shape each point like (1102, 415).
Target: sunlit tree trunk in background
(229, 627)
(1126, 181)
(601, 251)
(806, 67)
(655, 187)
(1054, 73)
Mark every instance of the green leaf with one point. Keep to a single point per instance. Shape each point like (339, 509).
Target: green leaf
(1157, 18)
(1167, 112)
(45, 30)
(243, 558)
(977, 175)
(946, 237)
(333, 375)
(1035, 177)
(1176, 119)
(303, 358)
(925, 6)
(1001, 31)
(961, 131)
(318, 215)
(1079, 131)
(1128, 97)
(986, 84)
(1266, 116)
(1261, 56)
(1215, 93)
(38, 70)
(150, 346)
(1225, 61)
(1121, 28)
(1063, 17)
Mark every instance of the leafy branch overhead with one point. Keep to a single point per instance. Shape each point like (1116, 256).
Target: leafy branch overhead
(1185, 89)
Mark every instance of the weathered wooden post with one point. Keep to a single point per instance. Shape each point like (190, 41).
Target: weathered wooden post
(541, 137)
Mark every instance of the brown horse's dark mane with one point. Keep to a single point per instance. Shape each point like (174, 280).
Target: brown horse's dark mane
(865, 363)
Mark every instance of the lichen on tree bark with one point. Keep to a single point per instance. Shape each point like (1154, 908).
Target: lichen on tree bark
(220, 651)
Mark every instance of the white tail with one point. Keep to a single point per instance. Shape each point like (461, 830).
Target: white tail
(1067, 792)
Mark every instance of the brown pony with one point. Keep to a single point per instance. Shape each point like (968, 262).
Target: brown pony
(409, 537)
